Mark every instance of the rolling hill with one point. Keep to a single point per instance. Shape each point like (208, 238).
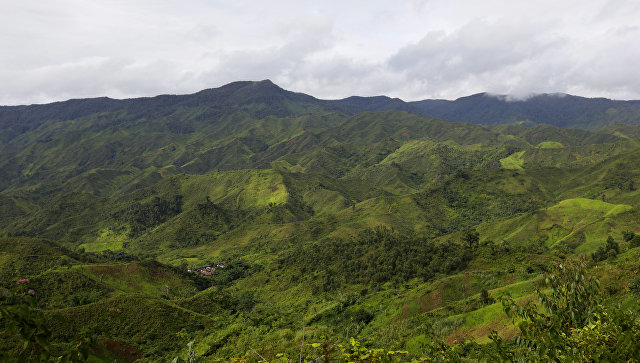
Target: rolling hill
(318, 219)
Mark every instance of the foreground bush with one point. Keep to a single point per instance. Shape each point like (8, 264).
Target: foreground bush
(568, 323)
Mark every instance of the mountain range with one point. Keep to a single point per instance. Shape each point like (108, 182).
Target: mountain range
(557, 109)
(399, 222)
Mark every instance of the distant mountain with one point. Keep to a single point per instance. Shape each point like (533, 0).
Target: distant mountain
(268, 99)
(356, 104)
(560, 110)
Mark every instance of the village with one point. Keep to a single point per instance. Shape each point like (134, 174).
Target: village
(207, 270)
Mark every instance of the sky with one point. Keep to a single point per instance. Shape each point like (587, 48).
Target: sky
(414, 49)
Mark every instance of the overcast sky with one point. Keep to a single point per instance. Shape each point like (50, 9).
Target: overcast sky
(59, 49)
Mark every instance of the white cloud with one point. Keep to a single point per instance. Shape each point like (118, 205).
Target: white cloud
(417, 49)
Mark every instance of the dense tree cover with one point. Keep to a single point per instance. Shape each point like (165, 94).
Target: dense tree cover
(206, 222)
(462, 204)
(141, 216)
(376, 256)
(620, 178)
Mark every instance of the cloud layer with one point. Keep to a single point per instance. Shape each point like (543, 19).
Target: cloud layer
(60, 49)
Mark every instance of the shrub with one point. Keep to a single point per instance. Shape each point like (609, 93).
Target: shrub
(569, 324)
(485, 297)
(628, 235)
(609, 250)
(634, 286)
(362, 316)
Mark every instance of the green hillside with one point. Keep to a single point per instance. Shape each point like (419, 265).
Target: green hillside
(317, 223)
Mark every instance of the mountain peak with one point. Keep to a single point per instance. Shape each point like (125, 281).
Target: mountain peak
(265, 82)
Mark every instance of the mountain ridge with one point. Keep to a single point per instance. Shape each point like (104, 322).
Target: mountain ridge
(562, 110)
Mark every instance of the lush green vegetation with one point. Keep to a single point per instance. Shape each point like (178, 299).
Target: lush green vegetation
(319, 223)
